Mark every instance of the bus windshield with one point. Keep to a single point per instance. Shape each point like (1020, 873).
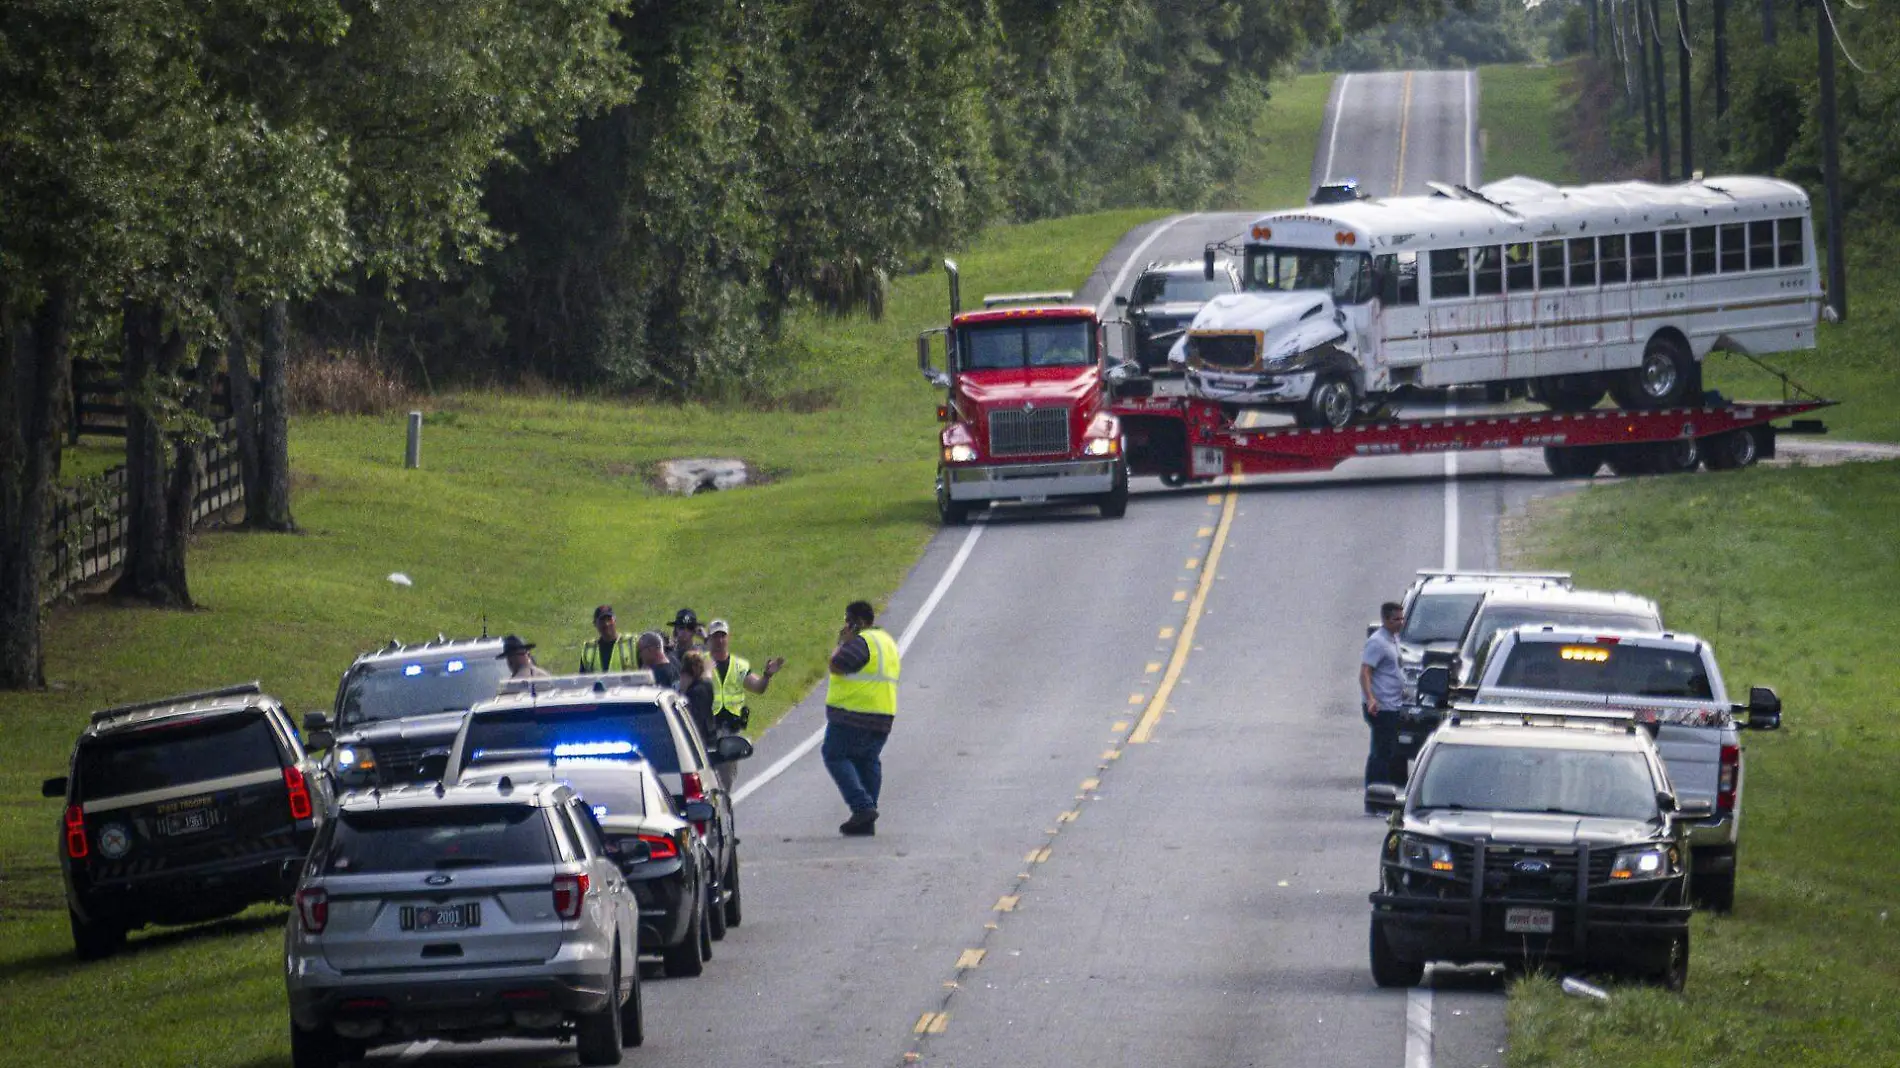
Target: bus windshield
(1346, 275)
(1015, 344)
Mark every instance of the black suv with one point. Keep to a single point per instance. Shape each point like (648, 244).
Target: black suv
(401, 703)
(182, 810)
(1533, 835)
(1165, 300)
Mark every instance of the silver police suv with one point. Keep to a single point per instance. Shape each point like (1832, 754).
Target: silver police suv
(462, 913)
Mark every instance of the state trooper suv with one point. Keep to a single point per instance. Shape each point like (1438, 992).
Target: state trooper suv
(401, 703)
(462, 913)
(181, 810)
(1533, 835)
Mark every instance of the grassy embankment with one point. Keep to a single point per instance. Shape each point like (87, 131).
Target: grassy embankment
(1794, 574)
(528, 510)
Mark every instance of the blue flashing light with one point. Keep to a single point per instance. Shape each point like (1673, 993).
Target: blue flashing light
(455, 666)
(587, 749)
(600, 812)
(412, 670)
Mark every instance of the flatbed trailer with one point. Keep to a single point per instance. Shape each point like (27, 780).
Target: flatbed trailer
(1190, 439)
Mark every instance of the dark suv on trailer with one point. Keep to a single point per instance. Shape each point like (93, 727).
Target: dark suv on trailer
(1166, 298)
(401, 702)
(1533, 835)
(182, 810)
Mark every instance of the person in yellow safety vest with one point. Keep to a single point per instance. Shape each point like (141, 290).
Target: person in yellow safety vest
(860, 707)
(732, 678)
(610, 652)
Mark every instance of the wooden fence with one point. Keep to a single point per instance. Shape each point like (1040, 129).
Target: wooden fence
(87, 538)
(99, 398)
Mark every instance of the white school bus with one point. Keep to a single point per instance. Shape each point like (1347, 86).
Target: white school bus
(1564, 293)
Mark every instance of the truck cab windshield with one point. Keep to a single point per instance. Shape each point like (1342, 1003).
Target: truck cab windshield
(1019, 343)
(1345, 275)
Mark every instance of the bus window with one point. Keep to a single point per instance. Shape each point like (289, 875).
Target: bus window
(1451, 273)
(1610, 259)
(1490, 272)
(1518, 272)
(1675, 254)
(1583, 261)
(1643, 257)
(1761, 244)
(1734, 251)
(1791, 247)
(1399, 279)
(1702, 251)
(1550, 265)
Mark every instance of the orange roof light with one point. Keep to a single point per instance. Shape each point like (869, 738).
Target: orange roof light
(1263, 233)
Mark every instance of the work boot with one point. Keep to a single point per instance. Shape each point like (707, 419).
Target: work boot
(863, 822)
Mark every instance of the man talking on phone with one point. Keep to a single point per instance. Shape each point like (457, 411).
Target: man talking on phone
(860, 706)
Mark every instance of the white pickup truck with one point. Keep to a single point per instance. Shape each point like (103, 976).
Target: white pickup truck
(1668, 680)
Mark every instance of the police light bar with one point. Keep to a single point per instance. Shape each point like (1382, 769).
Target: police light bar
(1562, 577)
(238, 690)
(1544, 715)
(571, 683)
(991, 300)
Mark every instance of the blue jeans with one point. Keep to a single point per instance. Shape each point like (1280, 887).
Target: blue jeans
(851, 755)
(1383, 760)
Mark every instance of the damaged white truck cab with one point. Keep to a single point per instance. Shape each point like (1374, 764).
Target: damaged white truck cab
(1560, 293)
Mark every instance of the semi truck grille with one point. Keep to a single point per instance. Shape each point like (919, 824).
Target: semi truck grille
(1038, 432)
(1226, 350)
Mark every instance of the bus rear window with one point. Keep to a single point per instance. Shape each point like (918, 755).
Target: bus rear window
(425, 839)
(178, 752)
(1791, 246)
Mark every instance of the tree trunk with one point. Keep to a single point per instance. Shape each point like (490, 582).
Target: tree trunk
(243, 404)
(154, 568)
(1768, 22)
(1682, 89)
(188, 450)
(1594, 31)
(1662, 88)
(1642, 63)
(1835, 287)
(35, 375)
(1719, 12)
(271, 510)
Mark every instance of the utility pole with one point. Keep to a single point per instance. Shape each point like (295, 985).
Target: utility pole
(1682, 89)
(1662, 89)
(1831, 166)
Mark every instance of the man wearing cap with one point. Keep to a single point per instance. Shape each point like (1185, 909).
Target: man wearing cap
(685, 628)
(732, 678)
(521, 664)
(610, 652)
(860, 706)
(650, 650)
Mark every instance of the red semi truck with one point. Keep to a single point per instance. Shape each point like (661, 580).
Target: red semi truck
(1027, 415)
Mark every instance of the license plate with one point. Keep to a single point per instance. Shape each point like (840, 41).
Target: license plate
(201, 819)
(1034, 498)
(441, 917)
(1405, 739)
(1209, 461)
(1530, 921)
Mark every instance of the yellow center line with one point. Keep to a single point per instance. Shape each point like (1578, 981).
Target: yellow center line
(970, 959)
(933, 1023)
(1166, 633)
(1152, 714)
(1006, 903)
(1121, 724)
(1405, 112)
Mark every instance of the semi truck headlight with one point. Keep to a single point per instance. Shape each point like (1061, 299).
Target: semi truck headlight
(1102, 446)
(960, 453)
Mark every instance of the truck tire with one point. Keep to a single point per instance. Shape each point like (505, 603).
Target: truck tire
(735, 910)
(1332, 404)
(633, 1017)
(1573, 461)
(1572, 393)
(1715, 892)
(95, 940)
(716, 913)
(688, 958)
(1668, 377)
(1678, 457)
(314, 1049)
(597, 1035)
(1387, 969)
(1673, 974)
(1732, 450)
(1114, 503)
(952, 513)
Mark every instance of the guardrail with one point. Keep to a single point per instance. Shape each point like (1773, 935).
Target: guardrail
(86, 536)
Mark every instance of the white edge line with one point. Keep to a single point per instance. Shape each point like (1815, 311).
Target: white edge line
(811, 741)
(1332, 139)
(1418, 1027)
(1121, 279)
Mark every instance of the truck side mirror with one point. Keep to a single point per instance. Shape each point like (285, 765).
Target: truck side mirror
(1121, 300)
(940, 379)
(319, 739)
(1370, 627)
(316, 721)
(1207, 263)
(1434, 684)
(1383, 797)
(1764, 709)
(730, 748)
(53, 787)
(699, 811)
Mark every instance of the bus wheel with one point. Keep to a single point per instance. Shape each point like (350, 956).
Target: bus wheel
(1573, 393)
(1573, 461)
(1665, 379)
(1735, 449)
(1330, 405)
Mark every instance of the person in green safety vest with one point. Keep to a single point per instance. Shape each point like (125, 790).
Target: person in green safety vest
(609, 652)
(860, 707)
(732, 678)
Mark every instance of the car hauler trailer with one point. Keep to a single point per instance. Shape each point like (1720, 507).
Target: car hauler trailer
(1191, 439)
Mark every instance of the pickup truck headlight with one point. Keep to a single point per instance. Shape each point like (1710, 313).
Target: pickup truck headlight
(960, 453)
(1102, 446)
(1650, 862)
(1423, 854)
(354, 762)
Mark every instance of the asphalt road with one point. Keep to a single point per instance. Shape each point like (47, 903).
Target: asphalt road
(1122, 814)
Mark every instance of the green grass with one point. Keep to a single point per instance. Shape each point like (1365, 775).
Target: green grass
(1286, 134)
(1794, 575)
(1521, 110)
